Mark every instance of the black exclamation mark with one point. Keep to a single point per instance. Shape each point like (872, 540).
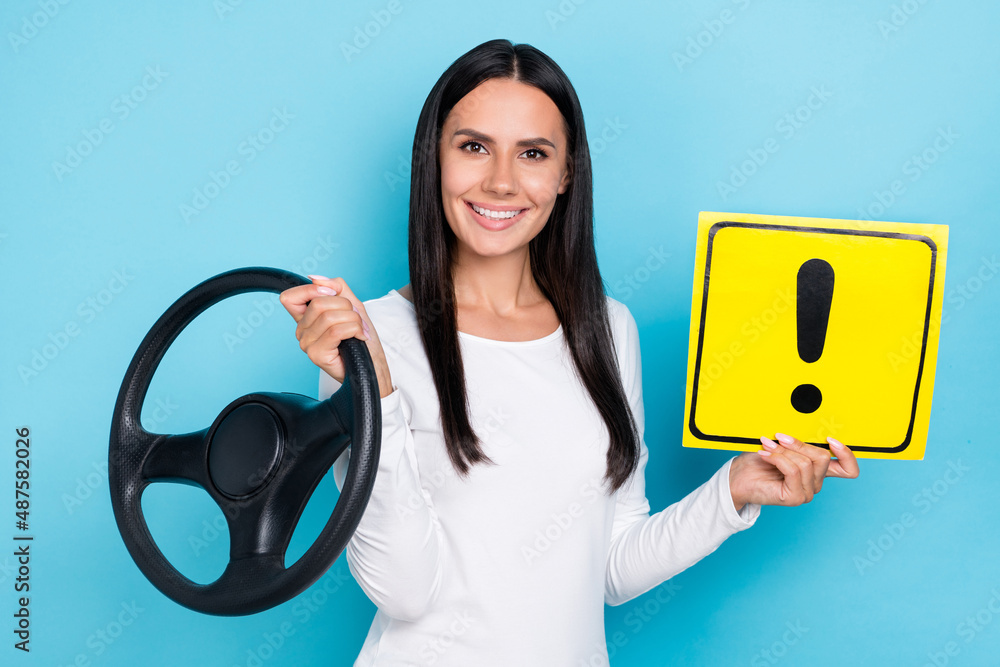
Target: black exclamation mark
(813, 300)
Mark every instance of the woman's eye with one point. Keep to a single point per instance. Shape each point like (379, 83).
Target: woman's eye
(534, 154)
(473, 147)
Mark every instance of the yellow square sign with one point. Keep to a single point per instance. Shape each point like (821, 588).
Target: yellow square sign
(815, 328)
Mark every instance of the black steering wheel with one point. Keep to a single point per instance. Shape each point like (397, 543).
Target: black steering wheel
(260, 461)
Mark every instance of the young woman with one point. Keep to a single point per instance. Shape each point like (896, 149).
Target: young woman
(510, 504)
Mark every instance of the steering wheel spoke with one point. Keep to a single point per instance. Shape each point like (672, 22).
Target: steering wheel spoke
(178, 458)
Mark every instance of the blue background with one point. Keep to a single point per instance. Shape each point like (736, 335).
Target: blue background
(103, 247)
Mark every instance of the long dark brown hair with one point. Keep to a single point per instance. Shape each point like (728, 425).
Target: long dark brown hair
(562, 255)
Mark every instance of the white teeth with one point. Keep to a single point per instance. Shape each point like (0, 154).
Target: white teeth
(495, 215)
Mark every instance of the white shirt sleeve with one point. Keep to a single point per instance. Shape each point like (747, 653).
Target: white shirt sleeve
(396, 551)
(647, 550)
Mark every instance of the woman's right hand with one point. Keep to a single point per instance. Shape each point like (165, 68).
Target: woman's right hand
(328, 313)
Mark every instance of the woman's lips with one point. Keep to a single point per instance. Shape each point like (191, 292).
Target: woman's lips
(500, 220)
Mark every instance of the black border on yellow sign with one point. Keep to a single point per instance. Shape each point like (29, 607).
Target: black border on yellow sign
(812, 230)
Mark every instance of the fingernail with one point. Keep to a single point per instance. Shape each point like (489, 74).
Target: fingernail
(768, 443)
(784, 439)
(315, 277)
(364, 325)
(763, 453)
(323, 289)
(835, 443)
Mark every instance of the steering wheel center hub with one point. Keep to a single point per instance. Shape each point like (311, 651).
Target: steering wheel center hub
(245, 449)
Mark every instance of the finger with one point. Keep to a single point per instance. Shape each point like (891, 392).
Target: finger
(324, 311)
(800, 459)
(339, 285)
(820, 457)
(364, 324)
(343, 290)
(296, 299)
(325, 287)
(325, 351)
(846, 463)
(330, 326)
(807, 474)
(772, 478)
(796, 470)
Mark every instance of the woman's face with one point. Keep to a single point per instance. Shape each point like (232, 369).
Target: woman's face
(503, 156)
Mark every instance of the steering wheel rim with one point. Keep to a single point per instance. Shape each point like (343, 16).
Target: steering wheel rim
(301, 438)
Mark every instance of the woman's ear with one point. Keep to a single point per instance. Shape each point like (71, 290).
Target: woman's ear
(567, 177)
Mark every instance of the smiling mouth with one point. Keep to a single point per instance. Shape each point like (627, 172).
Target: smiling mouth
(496, 215)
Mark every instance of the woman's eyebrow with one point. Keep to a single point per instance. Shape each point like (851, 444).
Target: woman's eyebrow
(486, 139)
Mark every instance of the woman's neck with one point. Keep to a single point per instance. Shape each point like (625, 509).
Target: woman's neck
(500, 285)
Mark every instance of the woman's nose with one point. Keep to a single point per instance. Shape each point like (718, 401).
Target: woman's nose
(501, 177)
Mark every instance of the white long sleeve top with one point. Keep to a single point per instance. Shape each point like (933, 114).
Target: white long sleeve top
(513, 564)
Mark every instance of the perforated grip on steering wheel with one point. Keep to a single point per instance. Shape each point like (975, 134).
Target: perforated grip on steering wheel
(307, 437)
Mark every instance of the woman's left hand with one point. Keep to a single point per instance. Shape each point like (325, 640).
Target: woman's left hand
(788, 472)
